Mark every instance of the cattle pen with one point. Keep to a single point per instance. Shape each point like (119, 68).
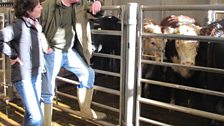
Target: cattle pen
(133, 89)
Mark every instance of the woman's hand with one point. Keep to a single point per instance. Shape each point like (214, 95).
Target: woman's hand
(49, 50)
(14, 61)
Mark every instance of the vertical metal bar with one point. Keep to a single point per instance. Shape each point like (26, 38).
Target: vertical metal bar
(129, 90)
(2, 60)
(122, 64)
(139, 70)
(10, 19)
(4, 75)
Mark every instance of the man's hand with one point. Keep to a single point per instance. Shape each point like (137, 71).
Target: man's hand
(173, 19)
(96, 7)
(14, 61)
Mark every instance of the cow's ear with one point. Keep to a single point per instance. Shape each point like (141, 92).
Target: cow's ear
(177, 43)
(176, 31)
(198, 30)
(197, 44)
(168, 30)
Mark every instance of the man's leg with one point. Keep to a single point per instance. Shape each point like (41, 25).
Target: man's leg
(46, 105)
(86, 76)
(53, 65)
(84, 99)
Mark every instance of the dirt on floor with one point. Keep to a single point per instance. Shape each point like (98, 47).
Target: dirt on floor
(11, 114)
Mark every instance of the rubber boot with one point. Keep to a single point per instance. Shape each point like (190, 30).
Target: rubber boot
(84, 99)
(47, 114)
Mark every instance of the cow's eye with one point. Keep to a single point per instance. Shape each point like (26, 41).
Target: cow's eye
(153, 43)
(177, 43)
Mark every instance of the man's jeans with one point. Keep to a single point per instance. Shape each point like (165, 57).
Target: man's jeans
(29, 91)
(71, 61)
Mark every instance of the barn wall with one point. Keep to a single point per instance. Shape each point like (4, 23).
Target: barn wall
(216, 1)
(159, 15)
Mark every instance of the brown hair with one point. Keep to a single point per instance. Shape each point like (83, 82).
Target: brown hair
(22, 6)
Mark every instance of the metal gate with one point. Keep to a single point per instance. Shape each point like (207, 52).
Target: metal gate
(115, 94)
(6, 17)
(127, 80)
(161, 106)
(129, 102)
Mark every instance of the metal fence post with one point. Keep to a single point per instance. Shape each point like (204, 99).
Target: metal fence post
(128, 118)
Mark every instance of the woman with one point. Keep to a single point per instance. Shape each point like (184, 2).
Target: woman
(20, 41)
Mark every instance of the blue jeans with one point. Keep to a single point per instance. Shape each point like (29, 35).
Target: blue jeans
(71, 61)
(29, 91)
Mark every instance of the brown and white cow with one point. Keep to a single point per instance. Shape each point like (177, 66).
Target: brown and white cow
(153, 47)
(181, 51)
(175, 51)
(185, 50)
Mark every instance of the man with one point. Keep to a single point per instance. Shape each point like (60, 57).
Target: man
(65, 25)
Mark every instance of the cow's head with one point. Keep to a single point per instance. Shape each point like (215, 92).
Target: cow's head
(213, 29)
(186, 49)
(153, 47)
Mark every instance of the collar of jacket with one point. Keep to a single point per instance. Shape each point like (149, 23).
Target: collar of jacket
(33, 23)
(59, 2)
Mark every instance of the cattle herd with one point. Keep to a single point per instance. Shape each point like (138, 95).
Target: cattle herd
(185, 52)
(178, 51)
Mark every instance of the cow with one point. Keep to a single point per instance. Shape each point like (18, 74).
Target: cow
(214, 52)
(153, 49)
(185, 51)
(108, 44)
(181, 52)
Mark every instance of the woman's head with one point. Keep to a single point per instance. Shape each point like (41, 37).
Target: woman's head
(27, 8)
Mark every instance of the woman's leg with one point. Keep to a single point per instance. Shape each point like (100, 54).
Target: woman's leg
(29, 96)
